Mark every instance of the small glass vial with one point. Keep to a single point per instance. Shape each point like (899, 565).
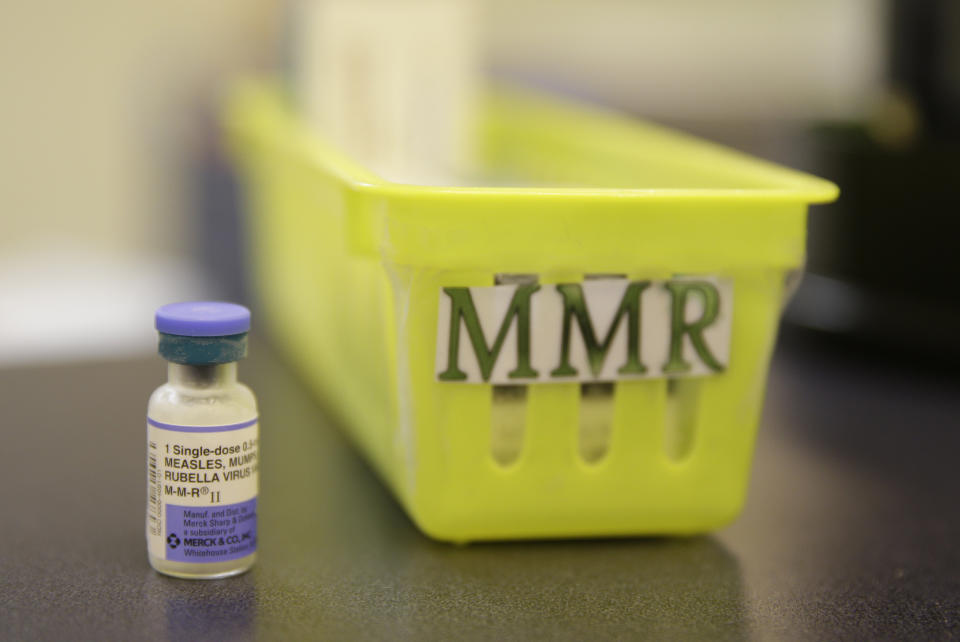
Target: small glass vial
(202, 446)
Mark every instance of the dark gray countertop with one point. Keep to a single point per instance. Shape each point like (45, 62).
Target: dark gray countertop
(851, 529)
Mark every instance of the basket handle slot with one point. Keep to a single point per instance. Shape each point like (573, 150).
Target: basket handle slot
(596, 420)
(680, 420)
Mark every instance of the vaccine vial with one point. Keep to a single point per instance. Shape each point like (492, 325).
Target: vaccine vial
(202, 446)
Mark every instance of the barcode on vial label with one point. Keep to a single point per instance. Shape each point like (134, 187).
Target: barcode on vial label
(153, 491)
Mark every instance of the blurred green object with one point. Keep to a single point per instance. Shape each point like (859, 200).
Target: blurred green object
(349, 269)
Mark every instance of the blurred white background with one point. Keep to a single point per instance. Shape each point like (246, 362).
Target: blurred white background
(107, 105)
(109, 108)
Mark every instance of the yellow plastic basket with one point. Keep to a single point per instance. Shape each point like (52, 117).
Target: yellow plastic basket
(350, 270)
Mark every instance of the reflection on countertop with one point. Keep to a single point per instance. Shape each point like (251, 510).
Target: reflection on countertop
(848, 531)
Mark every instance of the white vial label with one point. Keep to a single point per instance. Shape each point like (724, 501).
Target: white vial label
(202, 486)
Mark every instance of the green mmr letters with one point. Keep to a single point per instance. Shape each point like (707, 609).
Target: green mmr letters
(569, 309)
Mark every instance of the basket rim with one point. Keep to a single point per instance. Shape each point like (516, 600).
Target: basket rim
(256, 111)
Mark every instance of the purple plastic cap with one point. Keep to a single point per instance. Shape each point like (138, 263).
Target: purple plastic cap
(203, 319)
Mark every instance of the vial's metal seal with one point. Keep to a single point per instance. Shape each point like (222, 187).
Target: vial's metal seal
(202, 351)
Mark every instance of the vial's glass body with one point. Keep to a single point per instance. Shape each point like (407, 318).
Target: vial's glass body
(207, 395)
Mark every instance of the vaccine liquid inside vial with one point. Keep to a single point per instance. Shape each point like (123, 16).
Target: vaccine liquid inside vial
(202, 473)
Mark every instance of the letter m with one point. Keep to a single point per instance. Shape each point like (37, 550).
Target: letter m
(575, 307)
(462, 308)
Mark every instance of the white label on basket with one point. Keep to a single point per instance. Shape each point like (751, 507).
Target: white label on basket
(598, 330)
